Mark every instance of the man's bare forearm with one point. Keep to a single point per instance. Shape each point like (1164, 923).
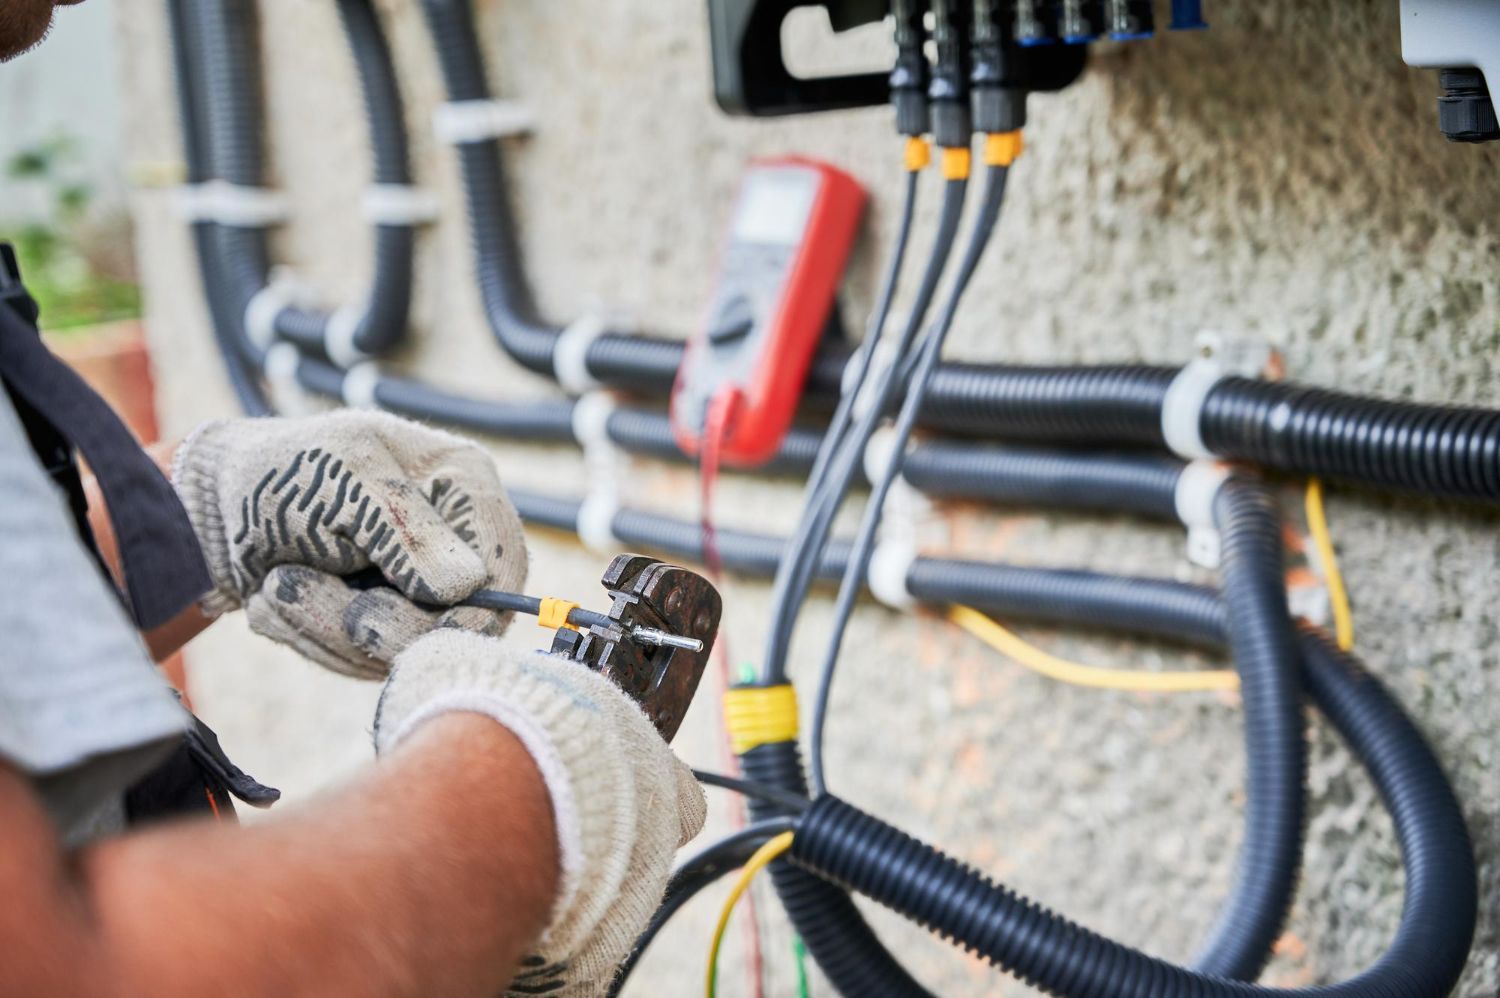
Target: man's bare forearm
(430, 875)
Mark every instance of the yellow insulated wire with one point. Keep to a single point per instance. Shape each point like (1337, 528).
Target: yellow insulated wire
(761, 858)
(1010, 644)
(1338, 596)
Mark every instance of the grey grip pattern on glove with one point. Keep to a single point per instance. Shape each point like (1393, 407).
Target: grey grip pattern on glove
(285, 507)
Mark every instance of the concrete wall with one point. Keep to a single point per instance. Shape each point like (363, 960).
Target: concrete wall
(1280, 174)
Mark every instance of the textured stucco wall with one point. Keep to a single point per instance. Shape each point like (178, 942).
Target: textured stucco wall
(1280, 174)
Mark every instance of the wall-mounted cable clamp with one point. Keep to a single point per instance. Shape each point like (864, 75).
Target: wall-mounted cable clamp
(399, 204)
(358, 387)
(339, 334)
(282, 291)
(1197, 487)
(465, 121)
(280, 369)
(1219, 356)
(596, 517)
(570, 355)
(890, 564)
(236, 205)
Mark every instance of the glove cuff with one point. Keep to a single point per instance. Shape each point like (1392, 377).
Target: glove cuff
(557, 710)
(195, 475)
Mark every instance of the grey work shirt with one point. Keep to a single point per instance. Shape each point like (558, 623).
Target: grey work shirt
(83, 711)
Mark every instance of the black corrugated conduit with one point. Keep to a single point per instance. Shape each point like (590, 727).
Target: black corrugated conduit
(1438, 921)
(1447, 452)
(861, 853)
(225, 85)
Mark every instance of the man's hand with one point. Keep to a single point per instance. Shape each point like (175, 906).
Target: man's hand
(285, 508)
(622, 803)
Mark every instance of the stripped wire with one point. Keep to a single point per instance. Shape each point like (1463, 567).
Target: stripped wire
(1010, 644)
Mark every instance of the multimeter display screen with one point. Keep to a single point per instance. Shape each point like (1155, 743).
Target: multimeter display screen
(774, 206)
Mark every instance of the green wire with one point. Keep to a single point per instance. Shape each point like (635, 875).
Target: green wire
(799, 953)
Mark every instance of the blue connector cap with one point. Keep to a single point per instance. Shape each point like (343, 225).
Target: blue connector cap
(1187, 15)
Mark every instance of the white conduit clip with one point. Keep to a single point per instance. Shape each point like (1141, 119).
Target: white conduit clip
(890, 564)
(591, 421)
(263, 308)
(399, 204)
(236, 205)
(880, 362)
(464, 121)
(1182, 408)
(879, 451)
(339, 333)
(596, 516)
(280, 369)
(570, 355)
(1219, 356)
(1197, 487)
(359, 384)
(596, 521)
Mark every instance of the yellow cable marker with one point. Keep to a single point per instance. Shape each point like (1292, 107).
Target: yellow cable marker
(1338, 596)
(1012, 645)
(554, 613)
(1003, 148)
(918, 154)
(760, 715)
(762, 858)
(956, 163)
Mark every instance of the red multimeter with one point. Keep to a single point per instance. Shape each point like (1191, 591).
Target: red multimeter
(793, 228)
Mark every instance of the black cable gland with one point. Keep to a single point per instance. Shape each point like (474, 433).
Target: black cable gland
(999, 109)
(908, 93)
(911, 112)
(1466, 112)
(951, 125)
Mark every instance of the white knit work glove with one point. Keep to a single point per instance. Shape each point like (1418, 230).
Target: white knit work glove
(622, 801)
(284, 508)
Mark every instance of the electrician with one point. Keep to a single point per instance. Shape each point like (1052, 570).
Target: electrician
(518, 824)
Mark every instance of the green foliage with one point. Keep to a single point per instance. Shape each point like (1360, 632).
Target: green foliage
(65, 260)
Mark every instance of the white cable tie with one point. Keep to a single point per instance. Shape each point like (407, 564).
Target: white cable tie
(464, 121)
(266, 305)
(359, 384)
(596, 521)
(399, 204)
(591, 420)
(280, 368)
(890, 564)
(238, 205)
(571, 352)
(339, 332)
(1197, 488)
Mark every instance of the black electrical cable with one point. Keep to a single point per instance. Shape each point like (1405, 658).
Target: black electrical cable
(1059, 957)
(752, 788)
(795, 573)
(698, 872)
(857, 569)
